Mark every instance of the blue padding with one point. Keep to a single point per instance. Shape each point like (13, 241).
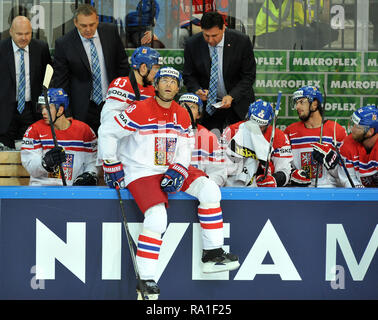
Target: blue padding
(299, 194)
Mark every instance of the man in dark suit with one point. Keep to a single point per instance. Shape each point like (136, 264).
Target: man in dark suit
(86, 60)
(235, 71)
(23, 62)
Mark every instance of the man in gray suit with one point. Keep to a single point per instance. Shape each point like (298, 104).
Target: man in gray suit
(23, 62)
(235, 71)
(86, 60)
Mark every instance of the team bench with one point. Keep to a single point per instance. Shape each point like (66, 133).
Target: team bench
(12, 173)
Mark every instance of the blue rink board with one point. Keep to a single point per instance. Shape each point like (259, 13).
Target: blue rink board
(328, 194)
(286, 242)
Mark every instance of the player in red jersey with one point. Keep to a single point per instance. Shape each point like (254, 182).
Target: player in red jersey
(155, 147)
(76, 151)
(248, 144)
(310, 131)
(359, 151)
(207, 155)
(123, 91)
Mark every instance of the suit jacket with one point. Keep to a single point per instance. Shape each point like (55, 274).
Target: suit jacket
(39, 57)
(72, 70)
(239, 68)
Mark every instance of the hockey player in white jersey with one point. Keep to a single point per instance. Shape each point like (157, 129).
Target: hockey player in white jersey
(76, 151)
(153, 161)
(123, 91)
(207, 154)
(247, 150)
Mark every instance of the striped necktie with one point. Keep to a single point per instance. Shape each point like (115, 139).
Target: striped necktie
(21, 83)
(212, 96)
(96, 75)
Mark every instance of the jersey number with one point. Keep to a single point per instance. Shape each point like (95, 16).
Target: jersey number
(120, 82)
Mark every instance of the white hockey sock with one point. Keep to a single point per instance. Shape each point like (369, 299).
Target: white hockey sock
(148, 254)
(211, 220)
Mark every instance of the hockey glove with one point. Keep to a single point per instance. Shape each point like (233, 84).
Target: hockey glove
(86, 179)
(114, 175)
(53, 158)
(174, 178)
(326, 155)
(300, 178)
(269, 181)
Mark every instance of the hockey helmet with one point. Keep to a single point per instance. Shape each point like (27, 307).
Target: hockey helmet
(260, 112)
(192, 97)
(311, 93)
(145, 55)
(308, 92)
(56, 96)
(168, 72)
(366, 117)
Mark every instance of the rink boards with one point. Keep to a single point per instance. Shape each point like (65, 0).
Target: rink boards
(69, 243)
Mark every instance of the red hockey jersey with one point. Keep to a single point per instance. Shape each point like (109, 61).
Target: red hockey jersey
(80, 145)
(147, 138)
(119, 96)
(362, 166)
(301, 139)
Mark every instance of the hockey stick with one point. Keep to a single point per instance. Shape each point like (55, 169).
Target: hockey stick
(320, 139)
(46, 83)
(318, 164)
(340, 157)
(130, 242)
(273, 132)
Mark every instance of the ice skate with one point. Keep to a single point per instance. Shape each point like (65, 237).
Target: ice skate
(150, 290)
(217, 260)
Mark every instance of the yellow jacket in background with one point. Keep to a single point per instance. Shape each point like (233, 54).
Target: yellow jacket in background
(270, 12)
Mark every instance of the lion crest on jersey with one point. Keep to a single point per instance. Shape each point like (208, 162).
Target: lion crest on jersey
(309, 164)
(164, 150)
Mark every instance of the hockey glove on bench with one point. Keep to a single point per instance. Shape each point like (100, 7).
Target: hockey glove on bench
(53, 158)
(326, 155)
(300, 178)
(114, 175)
(269, 181)
(174, 178)
(86, 179)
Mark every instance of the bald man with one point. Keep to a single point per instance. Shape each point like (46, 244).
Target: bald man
(23, 62)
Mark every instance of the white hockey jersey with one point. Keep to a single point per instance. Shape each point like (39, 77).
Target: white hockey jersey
(208, 155)
(80, 145)
(119, 96)
(243, 171)
(244, 145)
(301, 139)
(151, 138)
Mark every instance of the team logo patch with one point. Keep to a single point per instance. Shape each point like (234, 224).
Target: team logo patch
(309, 164)
(164, 150)
(67, 168)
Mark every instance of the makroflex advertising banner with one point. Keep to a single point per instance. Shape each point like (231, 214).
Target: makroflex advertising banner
(347, 79)
(306, 243)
